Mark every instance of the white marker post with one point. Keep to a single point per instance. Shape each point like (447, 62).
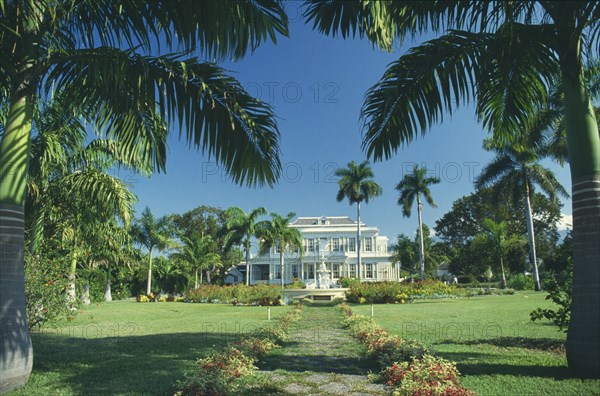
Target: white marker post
(372, 313)
(268, 313)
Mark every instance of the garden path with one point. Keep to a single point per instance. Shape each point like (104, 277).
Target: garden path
(320, 358)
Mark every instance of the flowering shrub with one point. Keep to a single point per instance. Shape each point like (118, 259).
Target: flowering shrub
(223, 372)
(255, 347)
(236, 294)
(407, 364)
(426, 376)
(45, 287)
(142, 298)
(394, 292)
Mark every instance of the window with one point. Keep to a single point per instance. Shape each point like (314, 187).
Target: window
(352, 270)
(335, 244)
(295, 273)
(309, 273)
(310, 245)
(352, 245)
(368, 244)
(278, 272)
(368, 270)
(335, 270)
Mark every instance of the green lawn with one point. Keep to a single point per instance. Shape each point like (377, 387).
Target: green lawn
(497, 348)
(129, 348)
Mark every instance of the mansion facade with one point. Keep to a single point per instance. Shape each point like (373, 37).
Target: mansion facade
(330, 241)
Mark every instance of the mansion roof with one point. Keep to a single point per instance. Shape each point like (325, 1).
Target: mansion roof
(323, 220)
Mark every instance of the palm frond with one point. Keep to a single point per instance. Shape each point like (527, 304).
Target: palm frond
(417, 89)
(214, 112)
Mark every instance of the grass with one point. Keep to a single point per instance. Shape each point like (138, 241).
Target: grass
(497, 348)
(129, 348)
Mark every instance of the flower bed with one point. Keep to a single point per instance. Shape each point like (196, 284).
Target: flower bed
(224, 371)
(396, 292)
(407, 365)
(236, 294)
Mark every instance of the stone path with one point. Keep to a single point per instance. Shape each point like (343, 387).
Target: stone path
(320, 358)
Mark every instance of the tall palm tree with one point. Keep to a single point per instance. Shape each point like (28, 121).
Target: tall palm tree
(356, 185)
(278, 233)
(98, 54)
(503, 56)
(241, 228)
(416, 185)
(514, 173)
(152, 233)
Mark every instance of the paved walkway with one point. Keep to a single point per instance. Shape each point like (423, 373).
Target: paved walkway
(319, 359)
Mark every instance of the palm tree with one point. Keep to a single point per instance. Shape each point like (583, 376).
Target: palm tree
(496, 234)
(514, 173)
(241, 228)
(356, 185)
(503, 58)
(96, 53)
(278, 233)
(414, 185)
(152, 233)
(198, 252)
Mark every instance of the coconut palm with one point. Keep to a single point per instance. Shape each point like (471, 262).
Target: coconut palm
(356, 185)
(98, 54)
(278, 233)
(153, 234)
(503, 57)
(241, 228)
(514, 173)
(416, 185)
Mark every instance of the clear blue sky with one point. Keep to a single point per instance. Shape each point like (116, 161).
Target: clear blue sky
(316, 85)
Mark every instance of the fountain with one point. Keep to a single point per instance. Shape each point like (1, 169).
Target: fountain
(323, 277)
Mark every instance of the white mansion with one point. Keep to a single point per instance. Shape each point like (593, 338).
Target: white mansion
(332, 241)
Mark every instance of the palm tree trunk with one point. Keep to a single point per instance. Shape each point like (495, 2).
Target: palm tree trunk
(503, 275)
(196, 279)
(200, 278)
(149, 283)
(583, 143)
(16, 354)
(421, 243)
(107, 291)
(71, 294)
(531, 234)
(85, 296)
(248, 269)
(358, 244)
(281, 263)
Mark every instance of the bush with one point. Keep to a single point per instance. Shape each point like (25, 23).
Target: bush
(395, 292)
(236, 294)
(521, 282)
(559, 288)
(45, 287)
(425, 376)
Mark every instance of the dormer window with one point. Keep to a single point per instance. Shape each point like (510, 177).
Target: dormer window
(323, 221)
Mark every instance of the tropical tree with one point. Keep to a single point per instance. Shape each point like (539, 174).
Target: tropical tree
(504, 57)
(356, 185)
(198, 251)
(152, 233)
(278, 233)
(97, 53)
(497, 237)
(241, 227)
(514, 173)
(416, 185)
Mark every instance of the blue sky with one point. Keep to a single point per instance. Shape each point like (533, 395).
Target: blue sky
(316, 85)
